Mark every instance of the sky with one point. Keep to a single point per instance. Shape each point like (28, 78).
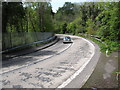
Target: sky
(59, 3)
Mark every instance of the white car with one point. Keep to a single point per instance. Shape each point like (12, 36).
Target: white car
(67, 39)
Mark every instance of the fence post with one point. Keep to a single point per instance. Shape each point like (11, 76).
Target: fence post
(10, 40)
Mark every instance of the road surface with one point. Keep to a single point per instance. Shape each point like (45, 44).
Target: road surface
(54, 67)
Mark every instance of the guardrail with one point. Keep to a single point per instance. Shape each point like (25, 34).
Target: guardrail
(97, 38)
(30, 44)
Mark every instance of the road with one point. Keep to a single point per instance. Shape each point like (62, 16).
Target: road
(54, 67)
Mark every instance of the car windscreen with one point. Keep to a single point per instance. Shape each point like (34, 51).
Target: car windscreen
(67, 38)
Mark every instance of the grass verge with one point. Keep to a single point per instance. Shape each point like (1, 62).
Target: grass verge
(110, 47)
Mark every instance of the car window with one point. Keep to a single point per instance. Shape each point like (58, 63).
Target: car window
(67, 38)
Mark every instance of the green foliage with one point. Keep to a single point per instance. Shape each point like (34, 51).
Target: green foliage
(64, 14)
(13, 13)
(27, 17)
(102, 46)
(48, 25)
(95, 18)
(90, 27)
(71, 28)
(76, 26)
(109, 22)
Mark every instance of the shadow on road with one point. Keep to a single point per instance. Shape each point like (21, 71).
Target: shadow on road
(25, 59)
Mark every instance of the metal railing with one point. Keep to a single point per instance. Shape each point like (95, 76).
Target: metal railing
(11, 41)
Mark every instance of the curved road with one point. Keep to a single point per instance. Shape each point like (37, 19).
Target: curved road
(54, 67)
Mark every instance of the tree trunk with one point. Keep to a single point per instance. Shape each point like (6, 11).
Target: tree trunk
(11, 36)
(41, 16)
(33, 27)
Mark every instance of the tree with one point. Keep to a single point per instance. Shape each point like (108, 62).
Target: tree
(108, 18)
(13, 12)
(90, 27)
(66, 13)
(64, 28)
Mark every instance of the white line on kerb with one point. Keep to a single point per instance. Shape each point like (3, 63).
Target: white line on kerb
(79, 70)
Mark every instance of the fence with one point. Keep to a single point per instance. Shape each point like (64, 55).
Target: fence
(11, 40)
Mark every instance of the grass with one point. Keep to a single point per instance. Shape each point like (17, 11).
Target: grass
(102, 46)
(111, 46)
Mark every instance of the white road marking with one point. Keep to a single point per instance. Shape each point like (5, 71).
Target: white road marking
(24, 66)
(80, 69)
